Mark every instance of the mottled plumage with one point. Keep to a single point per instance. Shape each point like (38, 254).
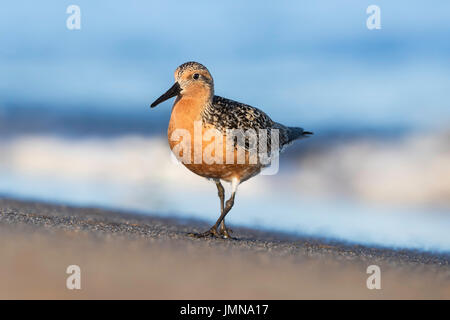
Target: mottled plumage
(225, 114)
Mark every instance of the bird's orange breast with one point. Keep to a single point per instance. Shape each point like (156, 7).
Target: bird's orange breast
(200, 145)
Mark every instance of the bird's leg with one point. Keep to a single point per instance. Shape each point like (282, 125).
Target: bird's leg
(224, 210)
(224, 231)
(229, 204)
(213, 230)
(221, 193)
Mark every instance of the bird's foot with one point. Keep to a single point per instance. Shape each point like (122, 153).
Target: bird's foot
(226, 233)
(210, 233)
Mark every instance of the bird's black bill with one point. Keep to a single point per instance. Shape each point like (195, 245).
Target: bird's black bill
(172, 92)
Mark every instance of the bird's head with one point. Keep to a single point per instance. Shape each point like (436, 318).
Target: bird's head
(192, 79)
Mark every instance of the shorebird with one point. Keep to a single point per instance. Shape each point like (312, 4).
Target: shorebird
(196, 103)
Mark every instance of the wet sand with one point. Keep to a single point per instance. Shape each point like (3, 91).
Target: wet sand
(131, 256)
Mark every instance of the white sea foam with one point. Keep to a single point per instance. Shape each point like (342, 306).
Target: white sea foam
(413, 171)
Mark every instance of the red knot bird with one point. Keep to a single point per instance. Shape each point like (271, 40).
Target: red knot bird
(196, 112)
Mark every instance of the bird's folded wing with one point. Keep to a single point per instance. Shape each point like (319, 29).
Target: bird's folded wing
(225, 114)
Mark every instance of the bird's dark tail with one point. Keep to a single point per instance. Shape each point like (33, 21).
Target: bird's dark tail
(295, 133)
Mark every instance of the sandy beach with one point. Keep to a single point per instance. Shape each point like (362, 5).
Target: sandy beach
(131, 256)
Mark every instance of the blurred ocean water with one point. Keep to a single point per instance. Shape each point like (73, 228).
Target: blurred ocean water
(75, 124)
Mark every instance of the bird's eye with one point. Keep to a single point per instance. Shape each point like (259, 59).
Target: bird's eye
(196, 76)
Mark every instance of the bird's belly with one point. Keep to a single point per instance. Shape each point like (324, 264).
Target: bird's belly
(216, 162)
(226, 172)
(211, 160)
